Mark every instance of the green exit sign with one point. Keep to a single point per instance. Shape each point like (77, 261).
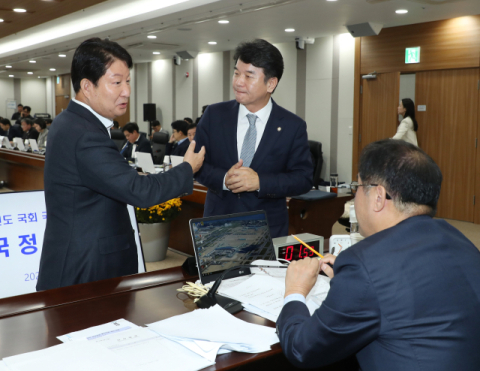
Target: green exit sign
(412, 55)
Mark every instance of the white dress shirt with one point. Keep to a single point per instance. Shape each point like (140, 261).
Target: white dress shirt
(106, 122)
(242, 127)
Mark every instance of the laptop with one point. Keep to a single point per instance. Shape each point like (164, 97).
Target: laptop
(144, 161)
(224, 241)
(176, 160)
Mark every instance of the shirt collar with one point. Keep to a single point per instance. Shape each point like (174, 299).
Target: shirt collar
(263, 114)
(106, 122)
(181, 141)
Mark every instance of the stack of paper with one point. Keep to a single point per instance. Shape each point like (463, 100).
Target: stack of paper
(207, 331)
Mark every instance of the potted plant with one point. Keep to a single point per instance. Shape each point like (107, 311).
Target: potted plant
(154, 225)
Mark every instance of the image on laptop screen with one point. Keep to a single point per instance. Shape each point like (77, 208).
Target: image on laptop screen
(222, 242)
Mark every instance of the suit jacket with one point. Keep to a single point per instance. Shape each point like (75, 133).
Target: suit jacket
(177, 149)
(88, 184)
(406, 132)
(31, 134)
(14, 132)
(143, 145)
(406, 298)
(282, 161)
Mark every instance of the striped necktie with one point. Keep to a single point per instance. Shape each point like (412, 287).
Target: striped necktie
(248, 147)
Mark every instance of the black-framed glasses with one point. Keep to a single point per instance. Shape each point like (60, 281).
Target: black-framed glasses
(373, 185)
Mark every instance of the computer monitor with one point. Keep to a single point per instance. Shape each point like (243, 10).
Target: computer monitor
(224, 241)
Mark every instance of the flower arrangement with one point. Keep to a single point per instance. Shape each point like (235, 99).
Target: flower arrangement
(163, 213)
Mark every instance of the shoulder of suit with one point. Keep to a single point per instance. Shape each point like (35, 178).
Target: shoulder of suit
(284, 113)
(408, 121)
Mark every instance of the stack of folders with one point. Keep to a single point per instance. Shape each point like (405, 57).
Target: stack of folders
(263, 292)
(194, 338)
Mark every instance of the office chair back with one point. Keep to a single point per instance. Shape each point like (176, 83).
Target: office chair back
(159, 145)
(118, 137)
(317, 160)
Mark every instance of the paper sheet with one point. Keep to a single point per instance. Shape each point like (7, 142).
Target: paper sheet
(99, 331)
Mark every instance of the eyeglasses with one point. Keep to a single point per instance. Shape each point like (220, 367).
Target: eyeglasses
(387, 196)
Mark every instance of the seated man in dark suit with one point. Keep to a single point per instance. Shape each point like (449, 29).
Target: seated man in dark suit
(179, 129)
(135, 141)
(10, 131)
(407, 297)
(28, 131)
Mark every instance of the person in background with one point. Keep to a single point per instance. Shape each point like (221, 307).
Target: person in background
(16, 116)
(407, 130)
(40, 126)
(178, 143)
(407, 297)
(157, 128)
(203, 111)
(10, 131)
(135, 141)
(28, 131)
(192, 129)
(116, 125)
(26, 112)
(188, 120)
(48, 122)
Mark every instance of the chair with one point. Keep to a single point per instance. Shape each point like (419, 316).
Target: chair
(317, 160)
(159, 145)
(118, 137)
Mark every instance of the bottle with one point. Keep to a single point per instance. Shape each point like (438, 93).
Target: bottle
(355, 236)
(334, 183)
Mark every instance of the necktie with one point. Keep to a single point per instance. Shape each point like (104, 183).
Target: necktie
(248, 147)
(127, 146)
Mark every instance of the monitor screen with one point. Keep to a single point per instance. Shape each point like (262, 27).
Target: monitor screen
(222, 242)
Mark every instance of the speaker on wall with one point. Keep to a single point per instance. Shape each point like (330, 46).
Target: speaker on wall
(149, 112)
(364, 29)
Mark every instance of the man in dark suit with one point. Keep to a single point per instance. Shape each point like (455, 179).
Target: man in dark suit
(28, 130)
(257, 151)
(17, 115)
(407, 297)
(135, 141)
(178, 143)
(10, 131)
(88, 184)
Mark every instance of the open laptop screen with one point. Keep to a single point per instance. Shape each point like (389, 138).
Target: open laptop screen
(224, 241)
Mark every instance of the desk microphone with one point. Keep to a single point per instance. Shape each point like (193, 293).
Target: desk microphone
(230, 305)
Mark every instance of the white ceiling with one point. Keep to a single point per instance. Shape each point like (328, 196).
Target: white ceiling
(191, 25)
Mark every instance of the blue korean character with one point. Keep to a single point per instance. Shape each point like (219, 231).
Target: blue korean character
(44, 214)
(22, 218)
(32, 217)
(3, 244)
(7, 219)
(30, 242)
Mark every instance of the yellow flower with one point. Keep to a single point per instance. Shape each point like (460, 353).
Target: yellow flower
(150, 217)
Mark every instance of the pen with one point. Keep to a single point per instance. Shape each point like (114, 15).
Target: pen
(304, 244)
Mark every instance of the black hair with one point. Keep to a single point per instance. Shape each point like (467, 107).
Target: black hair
(188, 119)
(116, 125)
(409, 175)
(155, 123)
(27, 121)
(92, 59)
(204, 108)
(40, 122)
(48, 121)
(180, 125)
(20, 105)
(410, 111)
(5, 122)
(261, 54)
(192, 126)
(28, 108)
(131, 127)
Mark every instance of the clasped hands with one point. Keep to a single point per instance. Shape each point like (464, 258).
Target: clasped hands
(302, 274)
(242, 179)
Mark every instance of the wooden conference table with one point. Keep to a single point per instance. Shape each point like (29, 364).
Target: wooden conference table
(24, 171)
(33, 321)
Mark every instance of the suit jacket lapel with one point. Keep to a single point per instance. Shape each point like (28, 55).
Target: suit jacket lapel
(269, 136)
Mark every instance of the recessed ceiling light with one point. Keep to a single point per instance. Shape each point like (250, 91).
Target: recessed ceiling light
(331, 0)
(62, 55)
(401, 11)
(156, 53)
(289, 30)
(152, 36)
(223, 21)
(11, 76)
(8, 66)
(32, 61)
(30, 73)
(212, 42)
(1, 20)
(52, 69)
(18, 10)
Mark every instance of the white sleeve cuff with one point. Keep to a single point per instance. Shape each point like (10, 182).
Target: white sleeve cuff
(293, 297)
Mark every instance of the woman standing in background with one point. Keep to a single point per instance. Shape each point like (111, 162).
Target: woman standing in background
(407, 130)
